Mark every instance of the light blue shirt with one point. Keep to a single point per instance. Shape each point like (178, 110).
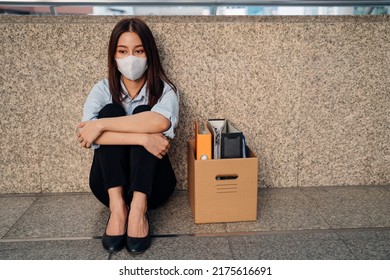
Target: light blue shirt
(167, 105)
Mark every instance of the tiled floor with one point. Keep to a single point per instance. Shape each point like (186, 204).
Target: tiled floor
(297, 223)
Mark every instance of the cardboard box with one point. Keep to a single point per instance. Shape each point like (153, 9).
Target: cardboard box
(222, 190)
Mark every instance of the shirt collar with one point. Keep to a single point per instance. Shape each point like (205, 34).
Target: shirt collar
(125, 93)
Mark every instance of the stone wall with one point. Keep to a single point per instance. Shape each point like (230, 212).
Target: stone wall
(312, 94)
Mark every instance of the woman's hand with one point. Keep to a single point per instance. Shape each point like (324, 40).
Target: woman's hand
(156, 144)
(88, 132)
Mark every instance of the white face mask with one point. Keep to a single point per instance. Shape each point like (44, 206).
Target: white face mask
(132, 67)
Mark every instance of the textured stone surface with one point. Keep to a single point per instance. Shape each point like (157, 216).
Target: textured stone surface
(372, 244)
(61, 216)
(300, 246)
(183, 248)
(352, 207)
(310, 93)
(11, 209)
(87, 249)
(344, 127)
(175, 217)
(69, 226)
(282, 209)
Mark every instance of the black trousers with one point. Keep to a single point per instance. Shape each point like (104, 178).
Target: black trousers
(130, 166)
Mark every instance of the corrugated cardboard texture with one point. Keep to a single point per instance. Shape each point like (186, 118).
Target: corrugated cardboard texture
(222, 190)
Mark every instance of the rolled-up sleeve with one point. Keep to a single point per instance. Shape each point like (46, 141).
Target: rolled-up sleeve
(168, 106)
(96, 100)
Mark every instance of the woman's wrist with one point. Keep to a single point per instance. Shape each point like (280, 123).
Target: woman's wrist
(141, 139)
(101, 125)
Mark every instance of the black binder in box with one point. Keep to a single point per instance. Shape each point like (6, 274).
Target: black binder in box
(232, 144)
(228, 141)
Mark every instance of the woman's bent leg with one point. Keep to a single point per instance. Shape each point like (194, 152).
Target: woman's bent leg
(152, 181)
(164, 183)
(109, 176)
(110, 163)
(149, 174)
(151, 184)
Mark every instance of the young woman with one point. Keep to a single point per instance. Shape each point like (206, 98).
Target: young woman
(128, 119)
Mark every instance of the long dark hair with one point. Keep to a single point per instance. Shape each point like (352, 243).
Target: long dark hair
(155, 75)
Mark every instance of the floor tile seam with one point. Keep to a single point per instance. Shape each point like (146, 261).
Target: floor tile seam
(316, 207)
(299, 133)
(48, 194)
(326, 189)
(377, 208)
(339, 237)
(219, 234)
(6, 195)
(11, 195)
(230, 246)
(43, 194)
(48, 239)
(338, 187)
(314, 202)
(20, 217)
(287, 232)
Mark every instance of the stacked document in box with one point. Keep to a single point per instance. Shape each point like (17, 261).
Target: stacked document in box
(222, 140)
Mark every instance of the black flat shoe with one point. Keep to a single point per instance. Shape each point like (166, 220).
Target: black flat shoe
(138, 245)
(113, 243)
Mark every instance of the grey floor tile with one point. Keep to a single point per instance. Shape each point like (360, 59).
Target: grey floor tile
(299, 246)
(352, 207)
(368, 245)
(282, 209)
(175, 217)
(183, 248)
(53, 250)
(81, 215)
(11, 209)
(77, 215)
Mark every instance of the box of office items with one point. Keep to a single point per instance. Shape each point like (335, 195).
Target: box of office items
(222, 190)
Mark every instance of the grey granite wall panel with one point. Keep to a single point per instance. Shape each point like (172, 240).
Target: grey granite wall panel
(80, 57)
(342, 104)
(19, 114)
(310, 93)
(259, 66)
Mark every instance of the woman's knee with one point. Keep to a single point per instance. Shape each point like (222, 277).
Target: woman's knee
(112, 110)
(141, 108)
